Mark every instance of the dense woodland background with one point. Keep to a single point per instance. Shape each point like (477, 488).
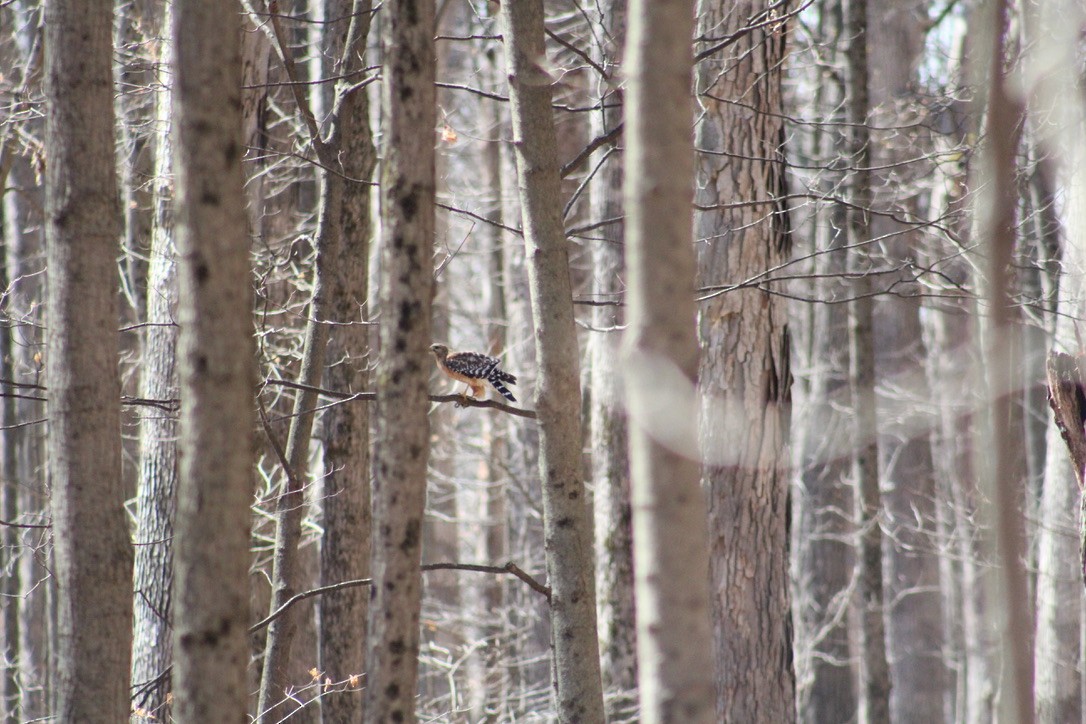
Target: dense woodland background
(779, 280)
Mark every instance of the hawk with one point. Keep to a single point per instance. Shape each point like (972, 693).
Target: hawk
(473, 369)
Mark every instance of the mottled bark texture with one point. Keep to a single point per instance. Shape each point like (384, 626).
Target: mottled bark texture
(745, 377)
(345, 436)
(92, 550)
(567, 527)
(216, 370)
(403, 365)
(674, 639)
(156, 490)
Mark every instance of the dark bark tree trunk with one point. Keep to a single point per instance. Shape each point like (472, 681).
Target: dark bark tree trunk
(403, 430)
(93, 553)
(216, 370)
(745, 378)
(345, 546)
(327, 301)
(567, 527)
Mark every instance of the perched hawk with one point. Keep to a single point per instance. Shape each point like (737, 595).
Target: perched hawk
(473, 369)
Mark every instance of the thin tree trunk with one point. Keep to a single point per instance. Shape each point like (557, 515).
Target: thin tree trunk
(823, 555)
(403, 429)
(93, 554)
(327, 301)
(1002, 529)
(345, 546)
(156, 493)
(674, 641)
(874, 668)
(608, 435)
(216, 371)
(1059, 125)
(745, 377)
(10, 570)
(24, 251)
(567, 526)
(911, 553)
(488, 541)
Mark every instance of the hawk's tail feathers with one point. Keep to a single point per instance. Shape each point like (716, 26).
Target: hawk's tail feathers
(499, 385)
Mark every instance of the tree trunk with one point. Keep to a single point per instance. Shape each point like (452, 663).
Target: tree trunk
(911, 555)
(329, 302)
(1058, 653)
(93, 554)
(674, 641)
(1000, 522)
(345, 546)
(567, 527)
(608, 435)
(10, 648)
(403, 372)
(216, 371)
(745, 378)
(823, 555)
(874, 668)
(156, 493)
(24, 252)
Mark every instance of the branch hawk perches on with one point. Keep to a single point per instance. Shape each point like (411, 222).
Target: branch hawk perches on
(473, 369)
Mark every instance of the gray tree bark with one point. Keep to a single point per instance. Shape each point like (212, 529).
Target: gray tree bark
(567, 526)
(216, 370)
(403, 372)
(674, 640)
(11, 433)
(607, 416)
(93, 554)
(345, 436)
(745, 378)
(10, 573)
(156, 491)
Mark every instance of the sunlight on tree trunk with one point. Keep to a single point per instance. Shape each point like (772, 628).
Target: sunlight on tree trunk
(674, 640)
(216, 368)
(156, 493)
